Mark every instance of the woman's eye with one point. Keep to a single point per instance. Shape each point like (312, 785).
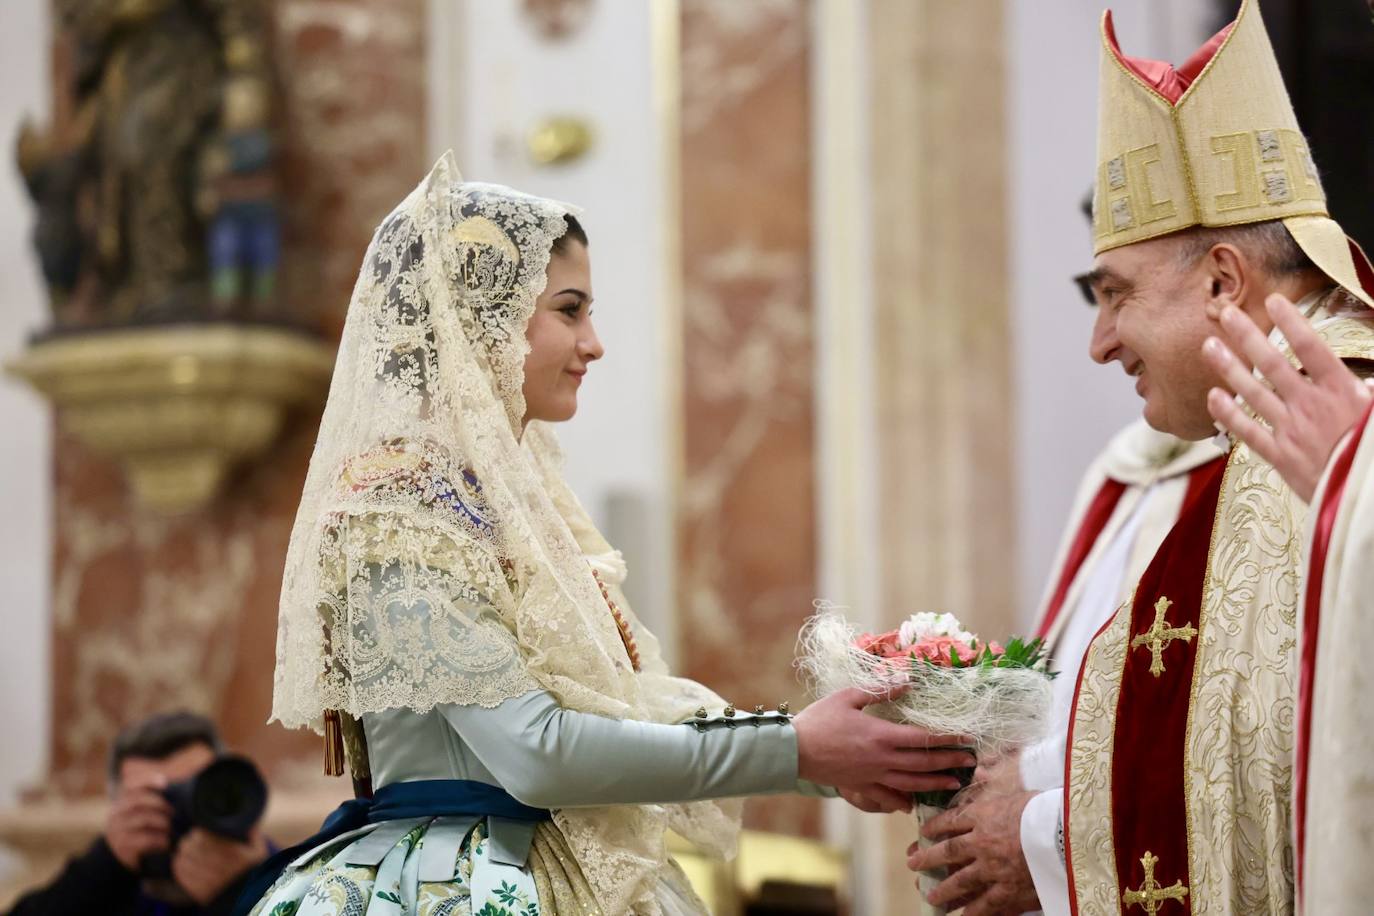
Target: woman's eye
(571, 310)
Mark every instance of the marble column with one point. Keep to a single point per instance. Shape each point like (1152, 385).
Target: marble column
(746, 524)
(943, 396)
(946, 410)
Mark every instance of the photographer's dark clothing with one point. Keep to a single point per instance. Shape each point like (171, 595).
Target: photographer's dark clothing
(96, 882)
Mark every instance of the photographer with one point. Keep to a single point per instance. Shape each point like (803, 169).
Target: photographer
(112, 876)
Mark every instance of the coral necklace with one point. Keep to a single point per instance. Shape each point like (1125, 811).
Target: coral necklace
(626, 635)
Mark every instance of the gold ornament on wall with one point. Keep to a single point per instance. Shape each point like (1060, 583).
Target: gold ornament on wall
(560, 140)
(178, 407)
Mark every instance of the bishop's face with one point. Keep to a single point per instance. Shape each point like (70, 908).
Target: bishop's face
(1152, 318)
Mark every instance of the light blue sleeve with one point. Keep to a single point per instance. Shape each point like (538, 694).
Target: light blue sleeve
(550, 757)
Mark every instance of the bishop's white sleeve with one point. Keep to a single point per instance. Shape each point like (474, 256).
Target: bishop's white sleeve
(1042, 763)
(1040, 843)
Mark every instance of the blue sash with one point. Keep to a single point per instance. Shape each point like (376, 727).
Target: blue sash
(400, 800)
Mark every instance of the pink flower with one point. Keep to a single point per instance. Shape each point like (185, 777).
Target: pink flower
(884, 645)
(937, 650)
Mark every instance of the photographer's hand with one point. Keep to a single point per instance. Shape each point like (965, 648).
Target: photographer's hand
(139, 821)
(205, 864)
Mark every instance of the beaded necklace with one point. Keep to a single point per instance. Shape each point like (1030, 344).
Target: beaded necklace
(627, 636)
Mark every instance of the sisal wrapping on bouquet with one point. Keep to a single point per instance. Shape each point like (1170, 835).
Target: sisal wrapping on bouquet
(999, 708)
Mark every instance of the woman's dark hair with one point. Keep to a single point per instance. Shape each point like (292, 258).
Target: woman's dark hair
(575, 233)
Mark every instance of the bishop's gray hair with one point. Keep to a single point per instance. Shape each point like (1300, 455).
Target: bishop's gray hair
(1269, 243)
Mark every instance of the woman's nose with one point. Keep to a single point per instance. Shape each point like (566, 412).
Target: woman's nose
(591, 346)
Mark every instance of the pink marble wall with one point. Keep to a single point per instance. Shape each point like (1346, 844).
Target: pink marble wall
(747, 556)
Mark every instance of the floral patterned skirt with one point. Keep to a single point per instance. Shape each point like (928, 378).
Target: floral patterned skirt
(438, 868)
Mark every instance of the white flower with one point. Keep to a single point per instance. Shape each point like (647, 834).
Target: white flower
(926, 624)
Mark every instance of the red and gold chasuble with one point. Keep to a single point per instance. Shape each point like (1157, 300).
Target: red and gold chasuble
(1178, 775)
(1150, 829)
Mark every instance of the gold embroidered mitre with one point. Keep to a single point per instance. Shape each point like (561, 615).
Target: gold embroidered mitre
(1213, 143)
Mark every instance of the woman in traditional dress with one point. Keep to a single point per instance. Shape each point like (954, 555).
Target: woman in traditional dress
(452, 618)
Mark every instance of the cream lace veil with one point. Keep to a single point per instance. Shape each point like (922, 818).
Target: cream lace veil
(437, 555)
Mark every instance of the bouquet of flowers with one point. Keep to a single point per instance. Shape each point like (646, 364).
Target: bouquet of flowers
(942, 678)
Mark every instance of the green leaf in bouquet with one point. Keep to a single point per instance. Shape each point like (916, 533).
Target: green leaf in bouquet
(1020, 653)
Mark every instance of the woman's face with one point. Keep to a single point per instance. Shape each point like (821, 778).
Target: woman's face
(561, 337)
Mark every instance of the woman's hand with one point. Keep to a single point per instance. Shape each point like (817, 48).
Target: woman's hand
(876, 799)
(840, 745)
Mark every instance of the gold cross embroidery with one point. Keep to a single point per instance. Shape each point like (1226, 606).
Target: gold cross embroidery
(1151, 895)
(1160, 634)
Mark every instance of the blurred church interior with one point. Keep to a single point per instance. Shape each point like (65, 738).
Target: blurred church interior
(833, 247)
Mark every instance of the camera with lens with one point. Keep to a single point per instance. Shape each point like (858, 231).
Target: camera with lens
(227, 798)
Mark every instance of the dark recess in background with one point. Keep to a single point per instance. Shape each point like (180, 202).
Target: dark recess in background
(1326, 52)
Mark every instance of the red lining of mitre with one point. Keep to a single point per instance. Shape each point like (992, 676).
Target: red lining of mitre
(1363, 269)
(1169, 82)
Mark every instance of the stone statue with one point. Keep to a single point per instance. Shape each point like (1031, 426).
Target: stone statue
(158, 164)
(238, 198)
(57, 178)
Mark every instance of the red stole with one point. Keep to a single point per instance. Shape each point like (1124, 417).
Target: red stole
(1311, 626)
(1149, 801)
(1094, 521)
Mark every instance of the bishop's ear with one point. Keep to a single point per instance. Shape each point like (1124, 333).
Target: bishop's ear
(1227, 273)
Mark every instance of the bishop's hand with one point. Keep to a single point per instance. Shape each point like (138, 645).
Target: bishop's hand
(979, 849)
(1308, 413)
